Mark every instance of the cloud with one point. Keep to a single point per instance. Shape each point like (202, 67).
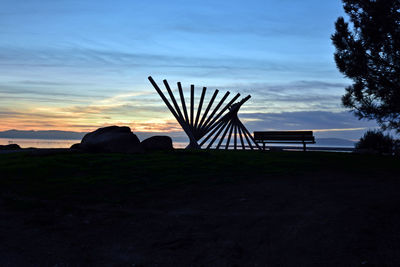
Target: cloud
(17, 91)
(283, 88)
(88, 57)
(302, 95)
(141, 116)
(21, 100)
(325, 124)
(304, 120)
(48, 83)
(267, 30)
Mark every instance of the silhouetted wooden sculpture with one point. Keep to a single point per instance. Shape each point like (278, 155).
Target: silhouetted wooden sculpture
(205, 130)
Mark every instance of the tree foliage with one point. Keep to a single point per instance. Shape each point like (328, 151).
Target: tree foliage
(369, 54)
(376, 141)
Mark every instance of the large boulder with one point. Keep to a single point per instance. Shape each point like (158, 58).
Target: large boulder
(10, 147)
(157, 143)
(110, 139)
(77, 146)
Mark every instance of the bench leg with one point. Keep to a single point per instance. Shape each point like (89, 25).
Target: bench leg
(263, 146)
(304, 146)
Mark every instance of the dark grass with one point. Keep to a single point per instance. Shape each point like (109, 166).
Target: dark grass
(199, 208)
(116, 177)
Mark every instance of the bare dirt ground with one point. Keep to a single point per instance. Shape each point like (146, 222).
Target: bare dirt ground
(323, 219)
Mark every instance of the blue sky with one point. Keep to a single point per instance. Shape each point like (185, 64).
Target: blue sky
(79, 65)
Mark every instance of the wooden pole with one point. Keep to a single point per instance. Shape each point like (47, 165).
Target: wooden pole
(225, 124)
(207, 109)
(245, 135)
(241, 138)
(212, 123)
(223, 135)
(164, 99)
(203, 93)
(213, 131)
(191, 104)
(251, 137)
(171, 95)
(213, 113)
(235, 137)
(180, 121)
(183, 102)
(229, 136)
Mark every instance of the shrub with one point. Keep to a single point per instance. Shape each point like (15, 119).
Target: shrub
(376, 142)
(397, 147)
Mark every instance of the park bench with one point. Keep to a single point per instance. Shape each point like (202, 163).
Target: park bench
(285, 137)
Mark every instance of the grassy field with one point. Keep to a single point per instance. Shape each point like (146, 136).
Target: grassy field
(116, 176)
(211, 208)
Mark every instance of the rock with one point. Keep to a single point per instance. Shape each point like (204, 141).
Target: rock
(111, 139)
(157, 143)
(10, 147)
(76, 146)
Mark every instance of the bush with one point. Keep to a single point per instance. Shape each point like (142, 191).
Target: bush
(397, 147)
(376, 142)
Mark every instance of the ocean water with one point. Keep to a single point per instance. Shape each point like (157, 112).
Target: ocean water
(54, 143)
(39, 143)
(57, 143)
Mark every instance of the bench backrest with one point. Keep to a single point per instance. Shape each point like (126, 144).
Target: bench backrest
(284, 135)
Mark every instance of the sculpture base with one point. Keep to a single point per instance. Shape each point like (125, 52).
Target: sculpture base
(193, 145)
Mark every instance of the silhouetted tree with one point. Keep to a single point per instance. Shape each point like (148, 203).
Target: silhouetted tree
(369, 54)
(376, 141)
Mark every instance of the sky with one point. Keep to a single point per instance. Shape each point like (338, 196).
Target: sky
(79, 65)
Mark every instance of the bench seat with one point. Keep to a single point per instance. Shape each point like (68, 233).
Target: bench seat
(284, 137)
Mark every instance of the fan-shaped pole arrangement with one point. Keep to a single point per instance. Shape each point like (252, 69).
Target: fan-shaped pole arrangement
(215, 127)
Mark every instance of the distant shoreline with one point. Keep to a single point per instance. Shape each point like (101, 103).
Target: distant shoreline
(42, 143)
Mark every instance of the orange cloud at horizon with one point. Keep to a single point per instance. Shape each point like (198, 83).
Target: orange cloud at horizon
(48, 125)
(141, 116)
(79, 122)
